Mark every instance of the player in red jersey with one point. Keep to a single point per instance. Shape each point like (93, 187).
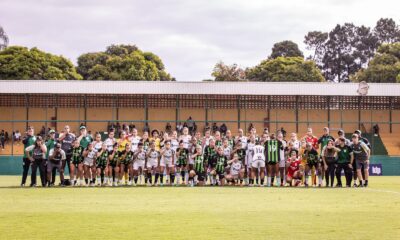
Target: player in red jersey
(295, 169)
(310, 138)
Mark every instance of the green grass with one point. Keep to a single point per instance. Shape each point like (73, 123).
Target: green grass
(200, 213)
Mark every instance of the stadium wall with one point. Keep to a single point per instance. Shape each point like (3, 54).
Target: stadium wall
(345, 119)
(12, 165)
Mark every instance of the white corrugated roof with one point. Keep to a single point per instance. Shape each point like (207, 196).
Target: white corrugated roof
(217, 88)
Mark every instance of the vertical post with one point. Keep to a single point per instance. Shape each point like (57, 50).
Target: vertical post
(328, 103)
(85, 109)
(45, 123)
(26, 110)
(206, 112)
(390, 113)
(359, 112)
(177, 110)
(146, 109)
(12, 131)
(341, 111)
(238, 110)
(297, 113)
(269, 112)
(56, 112)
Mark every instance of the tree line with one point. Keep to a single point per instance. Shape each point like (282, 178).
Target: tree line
(344, 54)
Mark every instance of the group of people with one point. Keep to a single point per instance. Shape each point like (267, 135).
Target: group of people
(195, 160)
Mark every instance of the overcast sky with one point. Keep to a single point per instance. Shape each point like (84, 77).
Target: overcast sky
(189, 35)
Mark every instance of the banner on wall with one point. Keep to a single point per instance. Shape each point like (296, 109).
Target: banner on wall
(375, 169)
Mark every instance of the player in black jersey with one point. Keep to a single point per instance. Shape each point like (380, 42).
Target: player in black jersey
(182, 156)
(209, 152)
(199, 169)
(76, 163)
(113, 165)
(241, 155)
(101, 165)
(219, 163)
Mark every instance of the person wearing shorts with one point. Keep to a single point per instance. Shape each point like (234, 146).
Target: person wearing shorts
(89, 164)
(152, 164)
(66, 139)
(360, 154)
(236, 171)
(76, 164)
(138, 163)
(101, 165)
(126, 164)
(310, 156)
(167, 163)
(56, 156)
(182, 156)
(258, 162)
(113, 165)
(295, 169)
(219, 163)
(199, 169)
(272, 153)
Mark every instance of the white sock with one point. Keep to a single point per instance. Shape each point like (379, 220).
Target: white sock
(278, 181)
(269, 181)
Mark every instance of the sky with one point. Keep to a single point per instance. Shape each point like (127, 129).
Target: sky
(190, 36)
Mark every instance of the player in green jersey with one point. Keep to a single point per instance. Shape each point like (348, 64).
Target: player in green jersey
(113, 165)
(343, 162)
(182, 156)
(76, 164)
(272, 152)
(101, 165)
(199, 168)
(219, 164)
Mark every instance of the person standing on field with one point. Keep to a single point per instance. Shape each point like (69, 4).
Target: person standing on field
(28, 141)
(343, 162)
(56, 156)
(36, 154)
(360, 155)
(66, 139)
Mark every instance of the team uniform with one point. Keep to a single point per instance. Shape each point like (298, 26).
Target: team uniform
(77, 157)
(293, 167)
(186, 140)
(360, 152)
(258, 157)
(199, 168)
(134, 142)
(311, 158)
(152, 159)
(114, 160)
(209, 153)
(166, 158)
(343, 161)
(140, 160)
(110, 144)
(101, 161)
(219, 163)
(182, 159)
(282, 162)
(249, 154)
(97, 145)
(85, 141)
(227, 152)
(235, 169)
(89, 159)
(272, 151)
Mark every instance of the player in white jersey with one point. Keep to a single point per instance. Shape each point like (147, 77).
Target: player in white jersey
(152, 164)
(258, 163)
(185, 137)
(206, 139)
(174, 141)
(250, 151)
(110, 141)
(282, 162)
(227, 149)
(167, 162)
(241, 138)
(89, 166)
(236, 171)
(296, 143)
(134, 139)
(138, 162)
(97, 142)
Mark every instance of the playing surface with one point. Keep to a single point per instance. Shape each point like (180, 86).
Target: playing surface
(200, 213)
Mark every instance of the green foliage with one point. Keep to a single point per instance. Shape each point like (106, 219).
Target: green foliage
(384, 67)
(289, 69)
(22, 63)
(122, 62)
(286, 49)
(228, 73)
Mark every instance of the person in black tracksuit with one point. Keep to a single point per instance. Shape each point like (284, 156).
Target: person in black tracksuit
(329, 153)
(343, 162)
(36, 155)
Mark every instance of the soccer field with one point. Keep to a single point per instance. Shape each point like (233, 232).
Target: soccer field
(200, 212)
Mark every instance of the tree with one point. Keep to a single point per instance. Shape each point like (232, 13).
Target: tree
(3, 39)
(228, 73)
(285, 69)
(387, 31)
(315, 41)
(384, 67)
(285, 49)
(122, 62)
(21, 63)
